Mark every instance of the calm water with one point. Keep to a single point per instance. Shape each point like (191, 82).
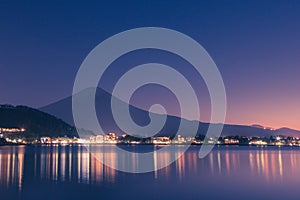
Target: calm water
(53, 172)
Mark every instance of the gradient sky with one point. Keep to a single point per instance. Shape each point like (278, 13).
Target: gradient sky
(255, 44)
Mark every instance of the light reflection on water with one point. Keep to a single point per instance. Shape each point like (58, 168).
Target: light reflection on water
(11, 166)
(76, 164)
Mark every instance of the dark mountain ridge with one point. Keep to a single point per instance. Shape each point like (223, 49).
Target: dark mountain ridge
(35, 122)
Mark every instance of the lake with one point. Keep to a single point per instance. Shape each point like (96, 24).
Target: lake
(71, 172)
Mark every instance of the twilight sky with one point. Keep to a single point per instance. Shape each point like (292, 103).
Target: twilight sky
(255, 44)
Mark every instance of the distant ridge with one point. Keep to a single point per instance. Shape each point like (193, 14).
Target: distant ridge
(257, 126)
(287, 132)
(63, 109)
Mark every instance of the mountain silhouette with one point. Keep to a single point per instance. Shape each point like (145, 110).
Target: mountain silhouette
(63, 110)
(35, 122)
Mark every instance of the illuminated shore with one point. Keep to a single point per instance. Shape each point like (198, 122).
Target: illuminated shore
(113, 139)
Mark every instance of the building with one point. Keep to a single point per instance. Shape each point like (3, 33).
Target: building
(46, 140)
(161, 140)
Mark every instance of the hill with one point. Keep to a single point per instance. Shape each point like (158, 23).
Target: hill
(63, 110)
(35, 122)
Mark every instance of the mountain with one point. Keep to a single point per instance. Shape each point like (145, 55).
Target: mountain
(287, 132)
(35, 122)
(63, 109)
(257, 126)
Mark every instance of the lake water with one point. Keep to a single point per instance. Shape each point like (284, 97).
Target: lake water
(228, 172)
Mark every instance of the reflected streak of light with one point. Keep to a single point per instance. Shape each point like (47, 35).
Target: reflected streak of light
(13, 166)
(273, 165)
(96, 169)
(63, 165)
(280, 163)
(1, 166)
(155, 164)
(258, 161)
(133, 161)
(211, 161)
(292, 159)
(48, 165)
(251, 161)
(234, 160)
(79, 165)
(262, 161)
(8, 169)
(219, 162)
(35, 163)
(195, 162)
(56, 164)
(180, 166)
(70, 164)
(20, 168)
(227, 161)
(42, 164)
(109, 172)
(167, 160)
(85, 160)
(267, 166)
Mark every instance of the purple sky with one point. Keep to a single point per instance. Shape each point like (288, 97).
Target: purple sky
(255, 44)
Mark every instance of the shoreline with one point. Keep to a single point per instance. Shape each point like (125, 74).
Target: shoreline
(154, 145)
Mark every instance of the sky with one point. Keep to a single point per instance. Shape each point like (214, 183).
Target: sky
(255, 44)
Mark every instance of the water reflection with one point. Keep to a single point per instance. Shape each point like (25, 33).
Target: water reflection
(11, 166)
(76, 164)
(270, 163)
(58, 163)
